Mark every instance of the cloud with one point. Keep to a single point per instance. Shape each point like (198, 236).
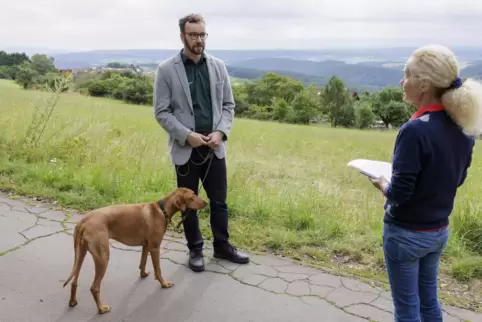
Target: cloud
(101, 24)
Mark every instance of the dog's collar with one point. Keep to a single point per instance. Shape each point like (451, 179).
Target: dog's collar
(160, 203)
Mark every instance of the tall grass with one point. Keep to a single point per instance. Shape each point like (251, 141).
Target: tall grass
(290, 190)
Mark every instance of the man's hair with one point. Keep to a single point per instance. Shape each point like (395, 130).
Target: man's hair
(191, 18)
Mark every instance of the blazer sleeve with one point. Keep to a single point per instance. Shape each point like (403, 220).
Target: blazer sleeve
(227, 114)
(163, 111)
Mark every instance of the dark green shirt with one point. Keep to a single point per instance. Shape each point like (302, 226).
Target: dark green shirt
(198, 78)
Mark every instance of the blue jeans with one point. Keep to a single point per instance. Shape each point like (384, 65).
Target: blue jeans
(412, 260)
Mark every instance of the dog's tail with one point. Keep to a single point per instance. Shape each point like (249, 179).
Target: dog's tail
(77, 241)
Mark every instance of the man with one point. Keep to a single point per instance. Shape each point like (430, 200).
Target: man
(193, 103)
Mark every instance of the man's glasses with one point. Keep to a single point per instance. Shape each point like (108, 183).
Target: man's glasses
(195, 35)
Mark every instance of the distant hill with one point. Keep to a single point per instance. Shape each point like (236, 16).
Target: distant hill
(352, 74)
(99, 57)
(369, 69)
(369, 55)
(360, 76)
(251, 73)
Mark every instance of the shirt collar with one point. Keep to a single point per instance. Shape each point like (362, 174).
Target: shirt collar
(185, 59)
(427, 109)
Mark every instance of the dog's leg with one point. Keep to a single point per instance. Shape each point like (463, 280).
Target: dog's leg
(73, 287)
(100, 254)
(142, 265)
(156, 256)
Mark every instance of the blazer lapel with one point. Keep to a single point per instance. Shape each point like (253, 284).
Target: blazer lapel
(181, 73)
(213, 77)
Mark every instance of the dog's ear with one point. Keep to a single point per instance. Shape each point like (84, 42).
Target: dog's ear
(180, 203)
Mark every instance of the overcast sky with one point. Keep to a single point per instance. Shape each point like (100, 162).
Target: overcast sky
(237, 24)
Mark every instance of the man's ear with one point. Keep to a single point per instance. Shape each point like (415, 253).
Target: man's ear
(179, 203)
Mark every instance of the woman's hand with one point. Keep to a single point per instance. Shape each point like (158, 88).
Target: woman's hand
(380, 183)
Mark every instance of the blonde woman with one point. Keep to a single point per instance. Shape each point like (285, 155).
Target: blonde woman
(433, 151)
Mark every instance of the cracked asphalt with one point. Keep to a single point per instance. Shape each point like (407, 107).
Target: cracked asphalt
(36, 256)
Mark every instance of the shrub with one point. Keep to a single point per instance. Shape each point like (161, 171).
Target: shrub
(138, 91)
(98, 88)
(8, 72)
(346, 115)
(364, 116)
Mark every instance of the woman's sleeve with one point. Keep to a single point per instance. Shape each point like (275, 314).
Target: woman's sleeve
(406, 164)
(469, 163)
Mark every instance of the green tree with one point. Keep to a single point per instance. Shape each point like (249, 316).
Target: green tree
(398, 113)
(391, 93)
(138, 91)
(8, 72)
(12, 59)
(364, 116)
(26, 75)
(98, 88)
(305, 106)
(43, 64)
(260, 112)
(113, 83)
(388, 105)
(118, 91)
(335, 96)
(127, 73)
(241, 100)
(116, 65)
(281, 109)
(273, 85)
(346, 115)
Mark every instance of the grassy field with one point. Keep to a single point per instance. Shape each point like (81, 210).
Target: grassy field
(290, 191)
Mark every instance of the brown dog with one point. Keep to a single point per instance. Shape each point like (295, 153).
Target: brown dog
(142, 224)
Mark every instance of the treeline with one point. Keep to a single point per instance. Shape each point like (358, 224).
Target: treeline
(284, 99)
(272, 97)
(36, 72)
(9, 64)
(39, 72)
(126, 85)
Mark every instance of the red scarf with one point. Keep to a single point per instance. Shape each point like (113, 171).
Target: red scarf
(427, 108)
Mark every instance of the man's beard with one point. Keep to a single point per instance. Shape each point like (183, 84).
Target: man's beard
(197, 49)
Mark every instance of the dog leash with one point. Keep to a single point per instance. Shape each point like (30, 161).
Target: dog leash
(209, 157)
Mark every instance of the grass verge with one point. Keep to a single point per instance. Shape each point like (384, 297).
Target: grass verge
(290, 191)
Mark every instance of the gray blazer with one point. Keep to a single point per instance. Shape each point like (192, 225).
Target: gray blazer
(173, 106)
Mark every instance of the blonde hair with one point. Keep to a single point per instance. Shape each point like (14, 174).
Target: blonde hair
(439, 66)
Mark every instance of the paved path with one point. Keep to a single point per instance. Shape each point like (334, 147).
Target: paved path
(37, 255)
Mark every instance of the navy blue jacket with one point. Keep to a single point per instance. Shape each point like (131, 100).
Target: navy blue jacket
(430, 162)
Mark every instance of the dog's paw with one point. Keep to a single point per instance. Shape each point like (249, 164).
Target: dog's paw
(144, 274)
(167, 285)
(72, 303)
(105, 309)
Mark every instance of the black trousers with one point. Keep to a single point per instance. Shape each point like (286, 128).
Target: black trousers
(189, 176)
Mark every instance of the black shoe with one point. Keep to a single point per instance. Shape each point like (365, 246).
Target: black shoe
(230, 253)
(196, 261)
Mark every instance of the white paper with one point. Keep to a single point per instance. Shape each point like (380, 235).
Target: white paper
(372, 168)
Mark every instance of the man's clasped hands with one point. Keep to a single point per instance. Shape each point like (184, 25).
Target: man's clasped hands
(213, 140)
